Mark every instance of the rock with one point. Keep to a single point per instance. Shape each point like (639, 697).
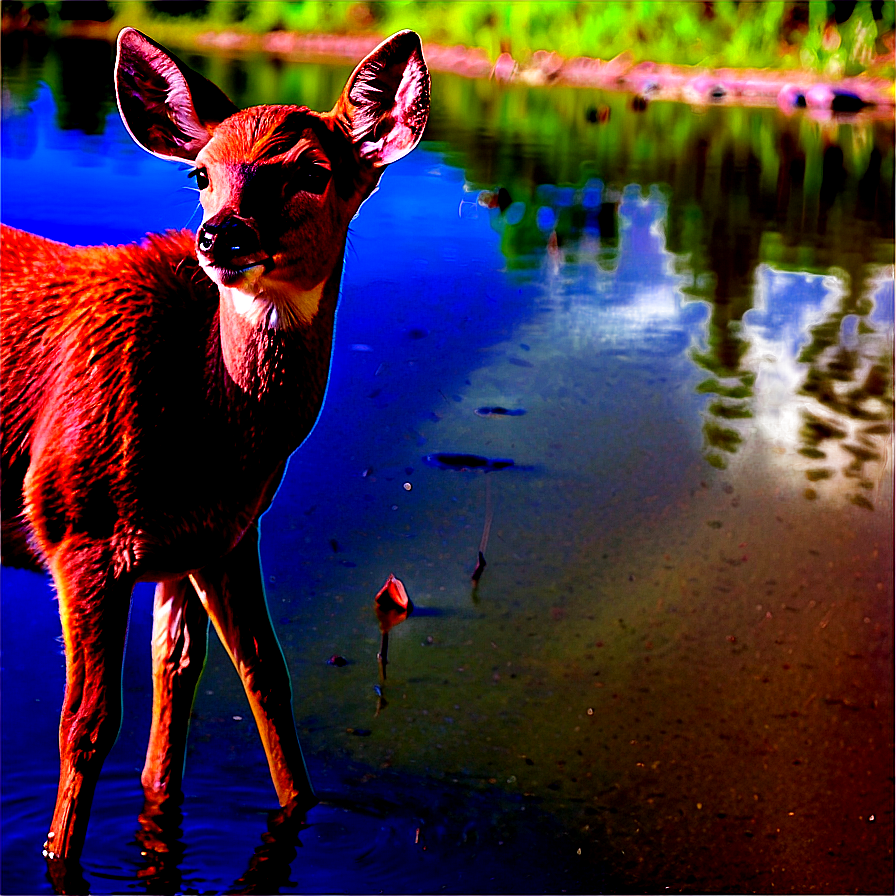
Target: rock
(706, 87)
(835, 99)
(790, 96)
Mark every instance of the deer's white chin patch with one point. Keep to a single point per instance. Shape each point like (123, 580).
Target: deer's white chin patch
(272, 304)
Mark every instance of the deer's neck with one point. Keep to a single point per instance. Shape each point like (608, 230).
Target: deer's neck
(272, 360)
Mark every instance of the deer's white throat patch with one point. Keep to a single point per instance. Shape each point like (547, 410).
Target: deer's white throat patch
(276, 307)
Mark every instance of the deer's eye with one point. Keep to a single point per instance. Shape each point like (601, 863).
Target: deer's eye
(201, 176)
(312, 179)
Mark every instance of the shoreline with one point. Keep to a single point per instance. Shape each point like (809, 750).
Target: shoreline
(787, 89)
(791, 90)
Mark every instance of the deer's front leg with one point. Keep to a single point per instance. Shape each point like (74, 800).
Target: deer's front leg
(232, 593)
(179, 643)
(93, 607)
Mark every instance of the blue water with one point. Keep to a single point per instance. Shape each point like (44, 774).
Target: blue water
(676, 671)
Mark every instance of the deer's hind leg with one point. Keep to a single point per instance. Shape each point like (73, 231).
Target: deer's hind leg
(93, 607)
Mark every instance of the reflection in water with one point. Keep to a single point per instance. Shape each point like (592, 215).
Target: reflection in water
(721, 232)
(850, 379)
(269, 867)
(670, 675)
(87, 95)
(754, 189)
(162, 853)
(161, 848)
(730, 383)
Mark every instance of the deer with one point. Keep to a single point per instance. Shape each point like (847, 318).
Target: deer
(152, 394)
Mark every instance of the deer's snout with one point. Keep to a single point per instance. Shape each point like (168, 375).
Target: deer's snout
(226, 238)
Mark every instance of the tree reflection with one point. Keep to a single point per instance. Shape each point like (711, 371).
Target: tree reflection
(849, 378)
(748, 188)
(732, 385)
(722, 278)
(86, 96)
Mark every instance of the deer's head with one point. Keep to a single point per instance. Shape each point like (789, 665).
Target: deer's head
(278, 184)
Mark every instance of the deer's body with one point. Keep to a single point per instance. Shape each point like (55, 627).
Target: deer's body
(152, 395)
(135, 454)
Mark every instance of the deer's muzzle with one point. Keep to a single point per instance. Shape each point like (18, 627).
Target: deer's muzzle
(230, 243)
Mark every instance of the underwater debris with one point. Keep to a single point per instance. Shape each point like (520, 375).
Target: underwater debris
(449, 461)
(480, 568)
(498, 411)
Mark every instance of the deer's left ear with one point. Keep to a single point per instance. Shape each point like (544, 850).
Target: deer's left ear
(385, 104)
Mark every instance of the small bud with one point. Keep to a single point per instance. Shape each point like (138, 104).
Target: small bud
(393, 596)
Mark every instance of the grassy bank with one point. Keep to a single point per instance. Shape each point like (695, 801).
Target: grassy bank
(836, 39)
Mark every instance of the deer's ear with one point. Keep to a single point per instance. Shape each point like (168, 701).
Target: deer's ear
(385, 103)
(168, 109)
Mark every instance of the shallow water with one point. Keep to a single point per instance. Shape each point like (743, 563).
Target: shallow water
(676, 671)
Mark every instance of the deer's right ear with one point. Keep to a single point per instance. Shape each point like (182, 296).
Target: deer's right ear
(169, 110)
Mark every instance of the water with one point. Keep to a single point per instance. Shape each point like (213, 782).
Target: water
(676, 670)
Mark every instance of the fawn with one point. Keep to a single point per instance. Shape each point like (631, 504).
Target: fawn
(152, 394)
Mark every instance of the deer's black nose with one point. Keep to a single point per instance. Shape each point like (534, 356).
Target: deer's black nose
(224, 238)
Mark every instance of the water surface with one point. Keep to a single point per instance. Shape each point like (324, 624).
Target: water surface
(676, 671)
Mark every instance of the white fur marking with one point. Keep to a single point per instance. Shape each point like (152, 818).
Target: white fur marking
(280, 306)
(244, 303)
(303, 303)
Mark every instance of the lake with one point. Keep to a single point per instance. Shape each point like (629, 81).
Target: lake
(676, 670)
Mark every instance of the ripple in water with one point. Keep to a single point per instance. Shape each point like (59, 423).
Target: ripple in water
(389, 834)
